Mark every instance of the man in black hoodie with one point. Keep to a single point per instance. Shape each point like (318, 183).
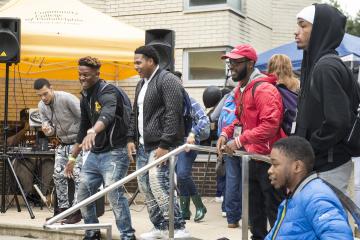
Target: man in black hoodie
(327, 92)
(102, 132)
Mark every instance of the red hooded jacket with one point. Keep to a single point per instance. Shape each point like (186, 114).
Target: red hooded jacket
(260, 117)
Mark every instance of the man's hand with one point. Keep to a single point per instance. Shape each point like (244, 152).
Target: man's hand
(131, 149)
(231, 147)
(89, 141)
(190, 140)
(69, 169)
(159, 152)
(220, 146)
(46, 128)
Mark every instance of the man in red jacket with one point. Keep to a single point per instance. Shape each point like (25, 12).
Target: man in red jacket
(259, 112)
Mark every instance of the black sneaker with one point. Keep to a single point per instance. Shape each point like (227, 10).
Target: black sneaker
(93, 236)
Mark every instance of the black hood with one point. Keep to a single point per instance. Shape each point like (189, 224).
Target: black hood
(327, 33)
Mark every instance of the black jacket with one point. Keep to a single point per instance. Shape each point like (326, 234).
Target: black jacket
(326, 91)
(103, 104)
(163, 109)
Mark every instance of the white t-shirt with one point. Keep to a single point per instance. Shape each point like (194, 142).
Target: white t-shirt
(140, 104)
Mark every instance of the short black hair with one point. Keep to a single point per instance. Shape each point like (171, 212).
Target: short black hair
(40, 83)
(90, 62)
(148, 52)
(297, 148)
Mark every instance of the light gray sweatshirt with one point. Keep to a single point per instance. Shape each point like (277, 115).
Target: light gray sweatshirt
(63, 115)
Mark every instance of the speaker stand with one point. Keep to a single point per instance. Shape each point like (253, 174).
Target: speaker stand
(5, 157)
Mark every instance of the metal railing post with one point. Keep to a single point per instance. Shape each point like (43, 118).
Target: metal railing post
(245, 196)
(109, 233)
(171, 197)
(246, 157)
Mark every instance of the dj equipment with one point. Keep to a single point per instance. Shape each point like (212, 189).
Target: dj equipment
(9, 53)
(34, 118)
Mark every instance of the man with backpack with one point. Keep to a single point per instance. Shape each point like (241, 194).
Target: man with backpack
(256, 127)
(156, 127)
(327, 99)
(103, 129)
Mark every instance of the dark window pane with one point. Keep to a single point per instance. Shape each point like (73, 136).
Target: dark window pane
(194, 3)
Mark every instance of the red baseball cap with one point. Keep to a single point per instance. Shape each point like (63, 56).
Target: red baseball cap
(240, 51)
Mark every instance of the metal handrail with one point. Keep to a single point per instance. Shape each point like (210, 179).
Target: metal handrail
(246, 157)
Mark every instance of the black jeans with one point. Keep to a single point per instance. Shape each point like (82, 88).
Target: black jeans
(263, 199)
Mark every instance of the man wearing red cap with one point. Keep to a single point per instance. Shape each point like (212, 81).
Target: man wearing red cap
(259, 114)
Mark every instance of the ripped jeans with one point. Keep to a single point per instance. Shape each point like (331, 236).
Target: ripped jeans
(60, 180)
(155, 186)
(107, 168)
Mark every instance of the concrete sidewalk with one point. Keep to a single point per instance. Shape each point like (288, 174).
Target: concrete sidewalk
(19, 226)
(13, 223)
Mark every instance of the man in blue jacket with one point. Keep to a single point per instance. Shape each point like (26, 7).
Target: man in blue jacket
(311, 209)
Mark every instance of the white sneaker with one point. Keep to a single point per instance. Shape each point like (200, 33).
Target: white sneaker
(154, 234)
(223, 214)
(219, 199)
(182, 233)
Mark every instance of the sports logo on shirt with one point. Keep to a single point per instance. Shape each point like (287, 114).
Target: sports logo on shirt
(97, 106)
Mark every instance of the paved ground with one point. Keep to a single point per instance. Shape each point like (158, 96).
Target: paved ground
(214, 225)
(13, 223)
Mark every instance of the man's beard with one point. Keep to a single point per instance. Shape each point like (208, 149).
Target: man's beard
(241, 75)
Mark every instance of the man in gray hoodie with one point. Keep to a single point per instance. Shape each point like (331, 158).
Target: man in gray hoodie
(60, 116)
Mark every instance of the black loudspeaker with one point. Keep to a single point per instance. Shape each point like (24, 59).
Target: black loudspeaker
(163, 40)
(9, 40)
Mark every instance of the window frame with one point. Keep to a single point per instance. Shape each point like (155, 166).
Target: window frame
(212, 7)
(203, 82)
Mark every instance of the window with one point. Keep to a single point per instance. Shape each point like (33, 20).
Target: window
(204, 65)
(208, 4)
(193, 3)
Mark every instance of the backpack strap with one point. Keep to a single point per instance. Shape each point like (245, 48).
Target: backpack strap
(254, 87)
(160, 76)
(346, 202)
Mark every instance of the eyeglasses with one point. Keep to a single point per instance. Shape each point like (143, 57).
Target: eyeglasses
(232, 63)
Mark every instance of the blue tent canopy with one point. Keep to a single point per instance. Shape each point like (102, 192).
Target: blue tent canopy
(349, 45)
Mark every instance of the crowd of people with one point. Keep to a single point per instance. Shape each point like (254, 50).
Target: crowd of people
(292, 195)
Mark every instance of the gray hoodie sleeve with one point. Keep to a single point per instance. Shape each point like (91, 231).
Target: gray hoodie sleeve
(45, 119)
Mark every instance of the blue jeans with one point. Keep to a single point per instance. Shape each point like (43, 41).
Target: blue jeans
(108, 168)
(184, 173)
(155, 187)
(220, 186)
(233, 189)
(221, 190)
